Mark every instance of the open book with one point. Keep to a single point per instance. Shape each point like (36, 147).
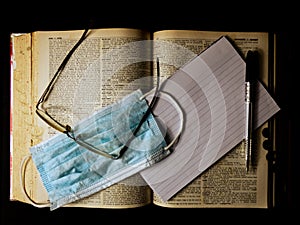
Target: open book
(123, 59)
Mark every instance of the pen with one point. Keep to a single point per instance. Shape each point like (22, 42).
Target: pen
(251, 66)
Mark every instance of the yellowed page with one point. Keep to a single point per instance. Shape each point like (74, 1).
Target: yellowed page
(48, 50)
(226, 183)
(20, 112)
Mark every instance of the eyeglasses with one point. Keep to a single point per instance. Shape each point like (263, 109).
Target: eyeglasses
(67, 129)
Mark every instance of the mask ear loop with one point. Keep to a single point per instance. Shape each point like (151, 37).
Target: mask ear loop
(22, 181)
(178, 109)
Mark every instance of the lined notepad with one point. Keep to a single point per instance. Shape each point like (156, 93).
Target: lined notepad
(210, 90)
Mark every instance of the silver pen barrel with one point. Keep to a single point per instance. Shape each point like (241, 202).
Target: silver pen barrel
(248, 125)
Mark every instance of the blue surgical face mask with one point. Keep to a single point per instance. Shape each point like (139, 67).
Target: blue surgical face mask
(70, 172)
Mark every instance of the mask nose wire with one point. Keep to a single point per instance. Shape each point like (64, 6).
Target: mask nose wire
(23, 167)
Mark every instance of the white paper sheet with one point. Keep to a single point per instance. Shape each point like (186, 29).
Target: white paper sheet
(210, 90)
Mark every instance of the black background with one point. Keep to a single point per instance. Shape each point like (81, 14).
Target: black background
(281, 19)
